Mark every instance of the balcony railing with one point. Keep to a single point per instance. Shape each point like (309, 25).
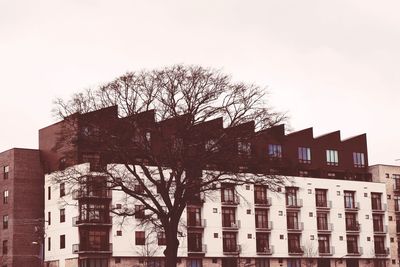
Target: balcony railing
(102, 248)
(294, 204)
(233, 201)
(232, 225)
(382, 207)
(197, 250)
(295, 251)
(267, 226)
(355, 252)
(324, 227)
(196, 223)
(295, 227)
(354, 227)
(231, 250)
(352, 206)
(265, 202)
(106, 220)
(265, 250)
(382, 252)
(196, 200)
(78, 194)
(380, 229)
(324, 204)
(326, 251)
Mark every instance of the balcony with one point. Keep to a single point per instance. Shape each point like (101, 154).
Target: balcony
(379, 208)
(265, 250)
(263, 202)
(355, 206)
(100, 194)
(380, 229)
(265, 227)
(357, 251)
(106, 220)
(231, 225)
(324, 205)
(295, 227)
(196, 224)
(197, 250)
(326, 251)
(294, 204)
(325, 227)
(296, 251)
(353, 227)
(95, 248)
(381, 252)
(233, 201)
(231, 250)
(196, 200)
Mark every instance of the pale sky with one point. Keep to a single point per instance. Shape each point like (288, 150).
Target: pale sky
(330, 64)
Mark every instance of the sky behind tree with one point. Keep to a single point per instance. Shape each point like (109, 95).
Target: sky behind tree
(331, 64)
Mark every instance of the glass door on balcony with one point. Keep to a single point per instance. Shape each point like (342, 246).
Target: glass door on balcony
(195, 242)
(351, 222)
(194, 216)
(294, 243)
(379, 244)
(376, 201)
(292, 220)
(261, 218)
(228, 217)
(352, 244)
(322, 221)
(229, 242)
(94, 240)
(94, 213)
(349, 202)
(377, 220)
(291, 196)
(320, 198)
(262, 242)
(228, 193)
(260, 194)
(323, 243)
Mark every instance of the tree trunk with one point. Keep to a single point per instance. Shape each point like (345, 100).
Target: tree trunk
(171, 251)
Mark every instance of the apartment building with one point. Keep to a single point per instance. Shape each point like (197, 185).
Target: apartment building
(21, 187)
(329, 213)
(390, 175)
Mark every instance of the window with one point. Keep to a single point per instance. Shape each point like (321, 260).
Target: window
(117, 260)
(194, 216)
(304, 155)
(262, 218)
(228, 193)
(49, 193)
(5, 221)
(228, 217)
(274, 151)
(62, 241)
(5, 247)
(352, 244)
(162, 241)
(262, 242)
(260, 194)
(349, 200)
(376, 201)
(292, 219)
(379, 245)
(262, 262)
(5, 197)
(294, 263)
(396, 203)
(49, 243)
(194, 263)
(49, 217)
(139, 211)
(244, 148)
(119, 233)
(320, 198)
(358, 160)
(195, 243)
(332, 157)
(6, 170)
(62, 189)
(294, 243)
(291, 197)
(140, 238)
(323, 244)
(377, 221)
(229, 242)
(303, 173)
(138, 188)
(211, 146)
(62, 215)
(322, 221)
(351, 222)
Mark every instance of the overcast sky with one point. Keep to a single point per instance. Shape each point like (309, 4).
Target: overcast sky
(332, 65)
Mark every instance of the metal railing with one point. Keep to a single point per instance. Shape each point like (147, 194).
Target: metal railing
(231, 224)
(265, 250)
(264, 226)
(103, 193)
(101, 248)
(325, 251)
(294, 203)
(357, 251)
(197, 223)
(263, 202)
(324, 227)
(229, 250)
(323, 204)
(201, 250)
(105, 220)
(297, 226)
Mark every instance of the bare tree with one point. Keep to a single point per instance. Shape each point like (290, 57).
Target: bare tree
(181, 155)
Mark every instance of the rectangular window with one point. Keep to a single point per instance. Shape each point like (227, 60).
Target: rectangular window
(358, 160)
(262, 218)
(291, 197)
(212, 146)
(5, 221)
(323, 244)
(194, 216)
(321, 198)
(260, 194)
(292, 219)
(194, 263)
(62, 215)
(262, 262)
(244, 148)
(377, 222)
(352, 244)
(5, 247)
(332, 157)
(351, 222)
(322, 221)
(228, 217)
(228, 193)
(379, 245)
(294, 243)
(262, 242)
(376, 201)
(140, 238)
(49, 217)
(5, 197)
(162, 241)
(195, 242)
(349, 201)
(304, 155)
(62, 241)
(49, 193)
(6, 170)
(229, 242)
(62, 189)
(139, 211)
(274, 151)
(49, 243)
